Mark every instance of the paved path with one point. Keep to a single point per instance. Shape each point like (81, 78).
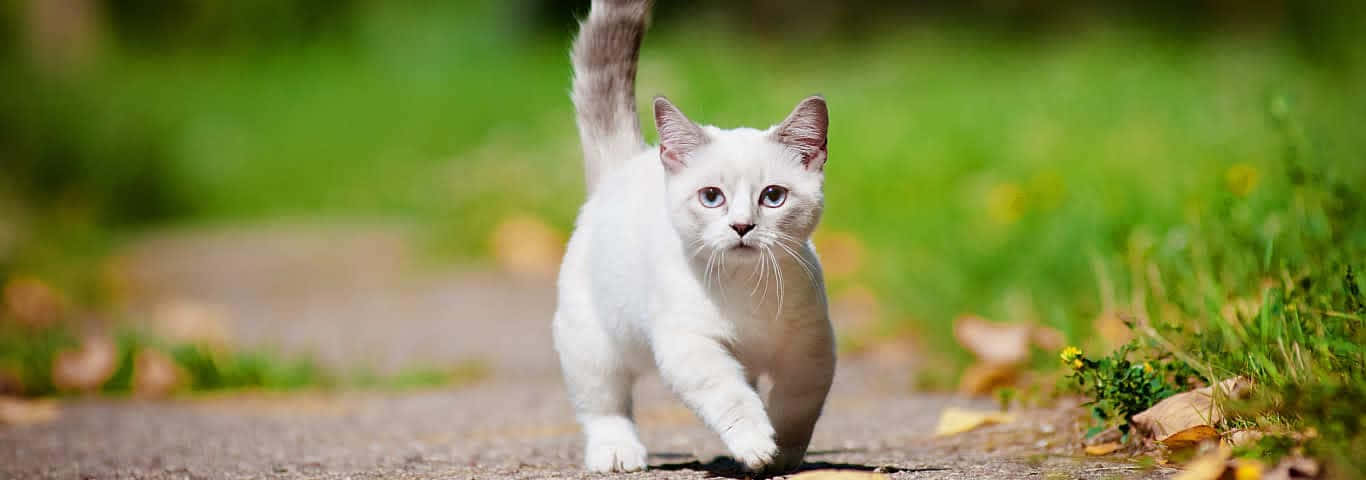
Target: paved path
(298, 290)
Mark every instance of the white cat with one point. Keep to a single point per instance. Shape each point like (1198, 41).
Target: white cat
(694, 260)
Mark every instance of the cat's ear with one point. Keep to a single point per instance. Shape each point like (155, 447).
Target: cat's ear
(678, 136)
(804, 132)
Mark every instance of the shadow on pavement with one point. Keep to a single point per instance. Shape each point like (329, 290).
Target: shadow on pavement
(729, 468)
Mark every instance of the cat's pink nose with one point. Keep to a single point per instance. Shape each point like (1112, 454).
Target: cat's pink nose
(742, 228)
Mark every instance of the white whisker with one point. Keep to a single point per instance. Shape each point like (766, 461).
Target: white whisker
(761, 269)
(806, 266)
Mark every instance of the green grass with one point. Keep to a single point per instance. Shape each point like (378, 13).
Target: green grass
(1263, 285)
(977, 168)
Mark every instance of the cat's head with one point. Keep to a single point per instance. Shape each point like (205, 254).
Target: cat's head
(743, 190)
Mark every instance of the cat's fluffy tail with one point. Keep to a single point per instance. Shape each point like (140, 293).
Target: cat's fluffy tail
(604, 57)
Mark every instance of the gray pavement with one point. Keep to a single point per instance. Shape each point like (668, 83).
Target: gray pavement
(298, 290)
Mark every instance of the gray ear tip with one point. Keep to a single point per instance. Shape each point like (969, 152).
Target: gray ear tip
(661, 100)
(814, 102)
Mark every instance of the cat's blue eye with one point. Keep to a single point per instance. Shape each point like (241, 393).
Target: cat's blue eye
(773, 196)
(711, 197)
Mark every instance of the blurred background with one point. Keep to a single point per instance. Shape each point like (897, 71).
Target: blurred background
(186, 164)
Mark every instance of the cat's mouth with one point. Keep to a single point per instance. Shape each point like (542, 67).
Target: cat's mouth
(741, 246)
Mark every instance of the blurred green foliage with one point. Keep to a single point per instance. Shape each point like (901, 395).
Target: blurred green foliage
(978, 164)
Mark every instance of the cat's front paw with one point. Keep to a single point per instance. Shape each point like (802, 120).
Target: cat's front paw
(788, 459)
(755, 449)
(614, 456)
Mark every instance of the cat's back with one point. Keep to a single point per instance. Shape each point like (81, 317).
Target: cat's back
(622, 236)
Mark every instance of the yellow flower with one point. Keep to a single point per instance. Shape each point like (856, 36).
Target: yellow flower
(1070, 353)
(1248, 471)
(1006, 202)
(1076, 363)
(1147, 367)
(1241, 179)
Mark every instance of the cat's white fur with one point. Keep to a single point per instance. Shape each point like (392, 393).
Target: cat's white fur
(654, 280)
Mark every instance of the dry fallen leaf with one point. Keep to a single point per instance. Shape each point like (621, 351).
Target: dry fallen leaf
(33, 302)
(155, 374)
(86, 368)
(1187, 409)
(839, 475)
(18, 411)
(526, 245)
(955, 420)
(1102, 449)
(994, 343)
(1191, 437)
(1209, 466)
(188, 321)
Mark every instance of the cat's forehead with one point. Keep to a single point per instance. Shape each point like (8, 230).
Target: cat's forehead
(740, 152)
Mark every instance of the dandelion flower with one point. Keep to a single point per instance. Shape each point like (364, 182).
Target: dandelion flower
(1070, 353)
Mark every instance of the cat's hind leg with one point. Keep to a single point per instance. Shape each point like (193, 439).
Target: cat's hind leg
(599, 384)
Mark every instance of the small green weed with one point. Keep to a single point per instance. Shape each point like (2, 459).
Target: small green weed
(1120, 388)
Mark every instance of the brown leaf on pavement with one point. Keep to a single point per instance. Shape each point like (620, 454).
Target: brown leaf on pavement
(155, 374)
(839, 475)
(18, 411)
(1102, 449)
(87, 368)
(526, 245)
(1188, 409)
(993, 343)
(1191, 437)
(954, 420)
